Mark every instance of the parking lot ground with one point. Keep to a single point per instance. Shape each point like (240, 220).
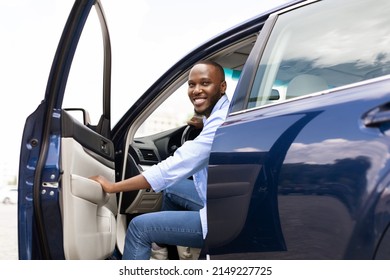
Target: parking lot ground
(8, 232)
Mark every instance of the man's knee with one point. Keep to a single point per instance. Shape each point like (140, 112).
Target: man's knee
(136, 226)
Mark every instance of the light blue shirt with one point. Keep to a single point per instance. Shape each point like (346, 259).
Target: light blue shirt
(191, 159)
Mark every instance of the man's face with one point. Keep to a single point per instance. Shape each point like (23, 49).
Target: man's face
(205, 88)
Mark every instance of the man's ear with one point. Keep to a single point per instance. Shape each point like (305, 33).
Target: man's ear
(223, 87)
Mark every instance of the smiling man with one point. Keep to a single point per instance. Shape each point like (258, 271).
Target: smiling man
(182, 219)
(206, 85)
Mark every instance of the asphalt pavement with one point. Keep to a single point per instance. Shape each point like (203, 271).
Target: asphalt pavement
(8, 232)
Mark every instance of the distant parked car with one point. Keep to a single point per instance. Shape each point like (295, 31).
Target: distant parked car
(299, 170)
(9, 195)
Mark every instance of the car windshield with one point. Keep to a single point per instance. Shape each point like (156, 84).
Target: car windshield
(327, 49)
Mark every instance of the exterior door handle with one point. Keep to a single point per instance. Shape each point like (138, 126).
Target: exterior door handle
(377, 116)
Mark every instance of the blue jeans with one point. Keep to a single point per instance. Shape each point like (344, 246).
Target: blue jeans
(178, 223)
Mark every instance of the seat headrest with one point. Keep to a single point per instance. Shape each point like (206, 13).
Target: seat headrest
(305, 84)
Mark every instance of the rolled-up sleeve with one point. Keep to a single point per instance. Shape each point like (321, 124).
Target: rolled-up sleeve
(191, 157)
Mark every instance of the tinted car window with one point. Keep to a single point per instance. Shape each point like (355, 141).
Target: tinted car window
(319, 47)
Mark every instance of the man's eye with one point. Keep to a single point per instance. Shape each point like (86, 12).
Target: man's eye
(205, 83)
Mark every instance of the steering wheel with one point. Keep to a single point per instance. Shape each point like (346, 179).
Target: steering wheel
(190, 133)
(193, 129)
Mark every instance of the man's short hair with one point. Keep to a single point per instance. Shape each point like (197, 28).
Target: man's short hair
(215, 64)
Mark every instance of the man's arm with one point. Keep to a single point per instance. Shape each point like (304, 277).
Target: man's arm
(131, 184)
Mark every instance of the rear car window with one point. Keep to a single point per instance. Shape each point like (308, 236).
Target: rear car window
(319, 47)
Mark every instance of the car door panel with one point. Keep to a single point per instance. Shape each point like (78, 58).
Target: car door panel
(314, 203)
(229, 192)
(268, 154)
(88, 212)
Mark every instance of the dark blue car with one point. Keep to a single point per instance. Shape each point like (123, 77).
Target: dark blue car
(299, 170)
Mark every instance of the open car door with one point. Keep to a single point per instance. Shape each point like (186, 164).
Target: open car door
(63, 214)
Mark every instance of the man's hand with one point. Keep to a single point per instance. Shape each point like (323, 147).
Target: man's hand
(106, 185)
(196, 121)
(131, 184)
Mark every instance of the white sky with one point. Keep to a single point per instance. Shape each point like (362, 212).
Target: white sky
(161, 31)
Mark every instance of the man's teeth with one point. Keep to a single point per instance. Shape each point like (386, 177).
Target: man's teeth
(199, 101)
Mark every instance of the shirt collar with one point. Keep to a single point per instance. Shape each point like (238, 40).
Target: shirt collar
(220, 103)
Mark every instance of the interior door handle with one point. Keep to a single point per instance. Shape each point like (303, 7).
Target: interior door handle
(377, 116)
